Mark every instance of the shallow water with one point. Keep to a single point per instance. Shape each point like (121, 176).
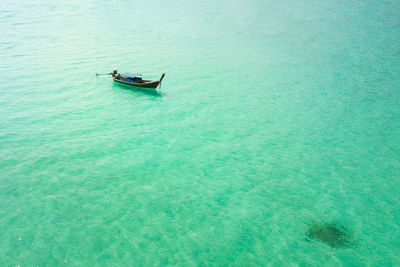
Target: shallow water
(272, 116)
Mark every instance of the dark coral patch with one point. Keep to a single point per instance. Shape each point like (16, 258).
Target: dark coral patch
(335, 236)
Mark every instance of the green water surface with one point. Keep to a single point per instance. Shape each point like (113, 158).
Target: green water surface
(273, 115)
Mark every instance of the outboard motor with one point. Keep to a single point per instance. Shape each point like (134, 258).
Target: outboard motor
(114, 73)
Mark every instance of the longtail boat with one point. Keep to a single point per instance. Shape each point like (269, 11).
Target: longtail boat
(134, 80)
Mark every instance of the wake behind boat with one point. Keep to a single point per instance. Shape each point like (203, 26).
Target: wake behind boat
(135, 80)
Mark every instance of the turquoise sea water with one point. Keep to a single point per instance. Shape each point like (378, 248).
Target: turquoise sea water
(273, 115)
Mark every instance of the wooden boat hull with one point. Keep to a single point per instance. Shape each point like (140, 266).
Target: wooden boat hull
(146, 84)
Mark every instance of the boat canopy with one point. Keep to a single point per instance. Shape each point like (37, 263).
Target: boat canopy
(131, 75)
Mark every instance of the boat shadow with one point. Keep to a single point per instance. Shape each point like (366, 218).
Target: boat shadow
(138, 90)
